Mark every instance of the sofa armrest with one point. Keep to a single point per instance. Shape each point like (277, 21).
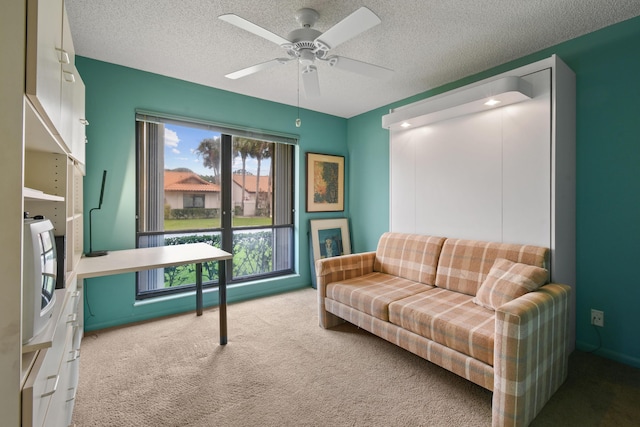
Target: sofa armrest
(531, 353)
(329, 270)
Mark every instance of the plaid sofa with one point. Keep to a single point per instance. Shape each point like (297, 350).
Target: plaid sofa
(421, 293)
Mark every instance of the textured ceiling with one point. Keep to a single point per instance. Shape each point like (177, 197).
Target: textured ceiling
(426, 42)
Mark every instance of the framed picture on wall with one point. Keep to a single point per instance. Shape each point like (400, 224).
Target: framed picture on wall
(330, 238)
(325, 183)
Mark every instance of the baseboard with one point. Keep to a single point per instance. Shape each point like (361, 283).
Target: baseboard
(153, 308)
(609, 354)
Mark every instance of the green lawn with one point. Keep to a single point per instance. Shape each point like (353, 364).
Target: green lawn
(191, 224)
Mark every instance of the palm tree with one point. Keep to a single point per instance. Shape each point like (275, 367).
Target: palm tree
(262, 150)
(244, 147)
(209, 149)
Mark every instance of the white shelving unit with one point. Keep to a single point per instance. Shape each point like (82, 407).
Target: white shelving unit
(45, 373)
(31, 195)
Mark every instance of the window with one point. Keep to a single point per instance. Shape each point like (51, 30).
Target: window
(193, 200)
(201, 182)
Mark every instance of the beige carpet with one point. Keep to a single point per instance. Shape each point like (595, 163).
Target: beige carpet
(281, 369)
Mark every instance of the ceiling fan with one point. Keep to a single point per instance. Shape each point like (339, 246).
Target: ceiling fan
(308, 45)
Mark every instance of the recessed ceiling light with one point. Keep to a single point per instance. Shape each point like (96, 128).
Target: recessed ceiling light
(492, 102)
(405, 125)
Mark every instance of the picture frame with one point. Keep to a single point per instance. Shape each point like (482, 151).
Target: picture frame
(330, 238)
(325, 183)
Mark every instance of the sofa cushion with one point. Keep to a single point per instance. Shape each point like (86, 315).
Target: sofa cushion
(448, 318)
(410, 256)
(464, 264)
(373, 292)
(507, 281)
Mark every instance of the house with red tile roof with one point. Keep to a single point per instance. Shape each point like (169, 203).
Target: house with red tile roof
(251, 192)
(186, 189)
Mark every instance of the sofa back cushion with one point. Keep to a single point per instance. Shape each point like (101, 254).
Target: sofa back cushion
(464, 264)
(410, 256)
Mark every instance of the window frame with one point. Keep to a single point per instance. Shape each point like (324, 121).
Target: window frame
(280, 222)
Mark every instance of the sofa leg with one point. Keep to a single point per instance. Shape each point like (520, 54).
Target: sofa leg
(329, 320)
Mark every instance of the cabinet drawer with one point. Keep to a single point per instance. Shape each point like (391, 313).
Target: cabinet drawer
(72, 362)
(58, 414)
(43, 383)
(45, 390)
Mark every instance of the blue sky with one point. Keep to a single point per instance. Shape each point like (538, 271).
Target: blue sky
(180, 143)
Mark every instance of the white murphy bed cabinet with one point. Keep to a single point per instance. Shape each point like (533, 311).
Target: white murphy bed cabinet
(54, 144)
(507, 174)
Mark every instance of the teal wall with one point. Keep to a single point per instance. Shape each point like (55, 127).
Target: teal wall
(607, 67)
(113, 93)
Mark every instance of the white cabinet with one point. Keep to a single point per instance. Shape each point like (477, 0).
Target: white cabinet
(67, 83)
(53, 188)
(53, 84)
(49, 391)
(72, 121)
(78, 121)
(44, 57)
(53, 154)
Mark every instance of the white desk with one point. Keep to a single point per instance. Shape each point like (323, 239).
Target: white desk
(132, 260)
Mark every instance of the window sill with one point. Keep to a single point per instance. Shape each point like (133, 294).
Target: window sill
(245, 285)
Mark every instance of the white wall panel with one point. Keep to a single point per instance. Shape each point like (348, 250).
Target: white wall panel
(481, 176)
(527, 166)
(403, 182)
(459, 178)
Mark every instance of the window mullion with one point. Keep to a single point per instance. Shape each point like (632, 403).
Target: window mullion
(226, 155)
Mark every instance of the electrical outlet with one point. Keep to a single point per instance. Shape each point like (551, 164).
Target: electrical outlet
(597, 317)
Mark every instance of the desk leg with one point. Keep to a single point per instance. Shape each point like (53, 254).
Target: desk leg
(222, 293)
(199, 289)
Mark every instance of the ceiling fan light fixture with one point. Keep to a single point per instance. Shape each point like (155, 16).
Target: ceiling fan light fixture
(306, 57)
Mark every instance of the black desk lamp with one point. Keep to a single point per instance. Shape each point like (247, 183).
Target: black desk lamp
(93, 253)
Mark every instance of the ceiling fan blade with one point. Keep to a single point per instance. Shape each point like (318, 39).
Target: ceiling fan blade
(359, 21)
(310, 81)
(253, 28)
(258, 67)
(359, 67)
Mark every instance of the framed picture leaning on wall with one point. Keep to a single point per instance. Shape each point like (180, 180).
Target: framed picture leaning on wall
(330, 238)
(325, 183)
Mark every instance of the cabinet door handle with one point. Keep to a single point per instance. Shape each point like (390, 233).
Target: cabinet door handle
(72, 317)
(63, 58)
(73, 395)
(84, 122)
(55, 385)
(75, 356)
(69, 77)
